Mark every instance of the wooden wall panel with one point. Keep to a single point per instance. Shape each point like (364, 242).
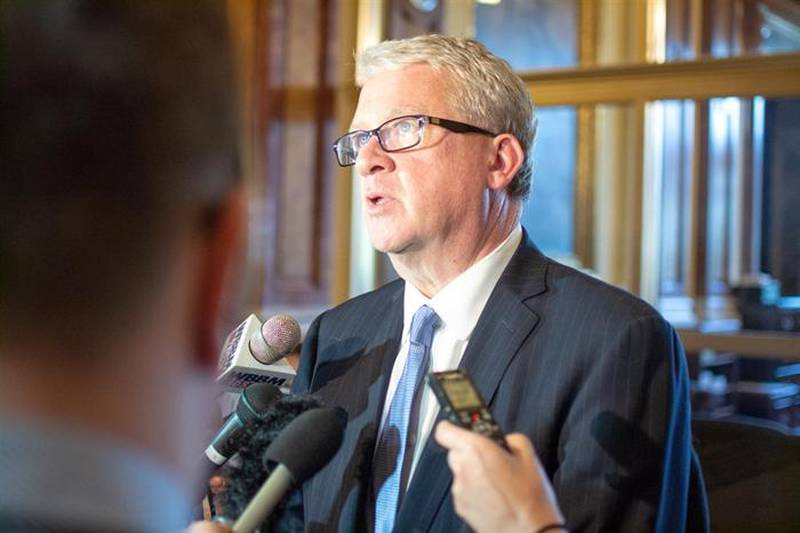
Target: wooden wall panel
(297, 224)
(296, 48)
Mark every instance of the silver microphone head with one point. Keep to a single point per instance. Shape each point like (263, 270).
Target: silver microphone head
(278, 337)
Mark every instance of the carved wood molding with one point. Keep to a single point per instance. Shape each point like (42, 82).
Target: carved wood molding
(769, 76)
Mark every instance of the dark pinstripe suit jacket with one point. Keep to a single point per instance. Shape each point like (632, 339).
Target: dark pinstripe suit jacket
(594, 376)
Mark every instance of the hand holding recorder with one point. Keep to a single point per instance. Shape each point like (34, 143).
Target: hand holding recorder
(498, 483)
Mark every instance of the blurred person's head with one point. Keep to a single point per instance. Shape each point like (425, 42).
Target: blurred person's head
(442, 129)
(119, 206)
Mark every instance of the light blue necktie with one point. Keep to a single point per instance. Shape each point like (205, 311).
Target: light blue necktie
(391, 450)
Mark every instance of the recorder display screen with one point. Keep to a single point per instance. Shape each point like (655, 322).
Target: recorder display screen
(461, 394)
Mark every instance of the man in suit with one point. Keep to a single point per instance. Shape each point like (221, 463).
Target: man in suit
(119, 206)
(592, 375)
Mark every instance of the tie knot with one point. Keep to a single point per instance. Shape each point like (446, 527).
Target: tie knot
(423, 323)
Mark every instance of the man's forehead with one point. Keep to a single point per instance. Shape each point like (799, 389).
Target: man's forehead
(416, 89)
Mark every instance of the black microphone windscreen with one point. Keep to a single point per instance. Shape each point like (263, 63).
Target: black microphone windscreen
(309, 442)
(244, 480)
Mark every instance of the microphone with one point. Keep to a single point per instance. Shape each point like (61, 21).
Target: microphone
(254, 403)
(252, 353)
(280, 335)
(248, 474)
(306, 445)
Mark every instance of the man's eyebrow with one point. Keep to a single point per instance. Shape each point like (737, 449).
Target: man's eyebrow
(393, 113)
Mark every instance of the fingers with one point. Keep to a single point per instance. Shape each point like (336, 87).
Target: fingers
(494, 490)
(448, 435)
(208, 527)
(522, 449)
(455, 438)
(468, 450)
(216, 484)
(519, 444)
(541, 505)
(451, 437)
(472, 457)
(465, 455)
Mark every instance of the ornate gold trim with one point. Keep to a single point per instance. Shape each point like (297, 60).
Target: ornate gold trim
(769, 76)
(344, 105)
(583, 217)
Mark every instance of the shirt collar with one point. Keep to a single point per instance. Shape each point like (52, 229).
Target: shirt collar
(460, 303)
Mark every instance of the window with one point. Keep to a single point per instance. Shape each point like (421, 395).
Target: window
(537, 35)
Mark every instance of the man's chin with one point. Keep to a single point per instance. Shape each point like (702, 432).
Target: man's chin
(396, 250)
(393, 239)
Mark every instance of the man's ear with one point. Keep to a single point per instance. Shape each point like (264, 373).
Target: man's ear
(507, 158)
(224, 243)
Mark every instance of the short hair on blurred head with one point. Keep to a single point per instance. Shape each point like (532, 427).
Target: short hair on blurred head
(118, 137)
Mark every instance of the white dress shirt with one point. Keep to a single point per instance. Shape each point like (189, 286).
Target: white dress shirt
(459, 305)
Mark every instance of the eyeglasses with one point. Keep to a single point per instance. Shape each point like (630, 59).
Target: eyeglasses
(399, 133)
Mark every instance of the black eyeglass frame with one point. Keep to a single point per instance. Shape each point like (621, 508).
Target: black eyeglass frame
(452, 125)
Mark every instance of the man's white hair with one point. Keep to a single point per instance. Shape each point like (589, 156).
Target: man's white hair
(485, 89)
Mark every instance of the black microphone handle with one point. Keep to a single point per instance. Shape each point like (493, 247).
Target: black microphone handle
(226, 441)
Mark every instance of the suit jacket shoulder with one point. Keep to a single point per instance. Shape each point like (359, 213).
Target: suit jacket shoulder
(361, 312)
(571, 287)
(341, 336)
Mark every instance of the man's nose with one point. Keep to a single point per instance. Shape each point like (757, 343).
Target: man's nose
(372, 158)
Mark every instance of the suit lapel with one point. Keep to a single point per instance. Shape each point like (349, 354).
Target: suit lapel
(358, 386)
(506, 321)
